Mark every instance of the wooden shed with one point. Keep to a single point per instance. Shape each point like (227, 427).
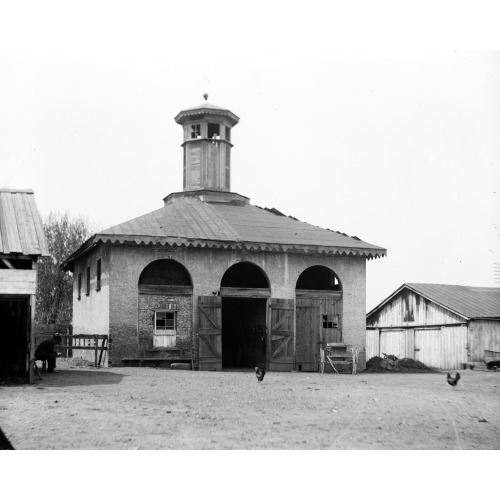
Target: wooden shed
(443, 326)
(22, 242)
(212, 279)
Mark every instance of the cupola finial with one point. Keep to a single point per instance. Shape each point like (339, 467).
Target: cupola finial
(205, 96)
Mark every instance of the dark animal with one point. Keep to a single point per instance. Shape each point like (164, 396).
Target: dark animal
(260, 372)
(453, 381)
(4, 442)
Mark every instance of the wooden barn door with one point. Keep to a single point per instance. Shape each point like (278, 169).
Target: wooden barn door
(319, 322)
(281, 321)
(307, 342)
(210, 333)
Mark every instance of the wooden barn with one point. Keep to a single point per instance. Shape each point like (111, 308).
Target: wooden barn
(443, 326)
(211, 279)
(22, 242)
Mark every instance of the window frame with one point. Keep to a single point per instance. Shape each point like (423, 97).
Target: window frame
(195, 131)
(165, 331)
(88, 281)
(98, 274)
(333, 319)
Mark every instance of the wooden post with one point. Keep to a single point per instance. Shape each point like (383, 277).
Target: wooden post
(102, 350)
(96, 345)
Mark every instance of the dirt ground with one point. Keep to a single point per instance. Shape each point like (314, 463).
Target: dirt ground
(87, 408)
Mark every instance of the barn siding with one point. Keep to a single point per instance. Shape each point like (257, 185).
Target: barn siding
(453, 347)
(440, 347)
(372, 343)
(408, 309)
(483, 335)
(397, 342)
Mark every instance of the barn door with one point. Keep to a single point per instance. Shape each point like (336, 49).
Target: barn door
(210, 333)
(308, 341)
(281, 315)
(428, 346)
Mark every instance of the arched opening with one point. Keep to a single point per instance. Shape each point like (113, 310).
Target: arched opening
(244, 292)
(245, 275)
(318, 278)
(165, 272)
(165, 308)
(318, 314)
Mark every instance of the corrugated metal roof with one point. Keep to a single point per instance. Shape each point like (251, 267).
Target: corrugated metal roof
(188, 221)
(191, 218)
(468, 301)
(21, 230)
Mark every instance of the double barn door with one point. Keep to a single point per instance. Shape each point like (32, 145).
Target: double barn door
(280, 333)
(318, 322)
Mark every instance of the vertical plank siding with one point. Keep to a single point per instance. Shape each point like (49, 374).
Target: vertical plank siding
(411, 326)
(372, 343)
(483, 335)
(441, 347)
(453, 347)
(408, 309)
(397, 342)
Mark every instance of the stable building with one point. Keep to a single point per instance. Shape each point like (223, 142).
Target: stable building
(443, 326)
(22, 242)
(213, 279)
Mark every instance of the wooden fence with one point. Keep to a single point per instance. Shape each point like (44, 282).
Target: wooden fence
(70, 343)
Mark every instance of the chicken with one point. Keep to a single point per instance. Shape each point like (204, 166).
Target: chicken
(260, 372)
(453, 381)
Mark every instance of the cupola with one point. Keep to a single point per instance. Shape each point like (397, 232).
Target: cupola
(207, 146)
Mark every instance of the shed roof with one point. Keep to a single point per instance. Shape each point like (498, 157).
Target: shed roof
(467, 301)
(187, 220)
(21, 230)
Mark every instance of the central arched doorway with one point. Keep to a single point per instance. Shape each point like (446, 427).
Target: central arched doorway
(244, 292)
(318, 295)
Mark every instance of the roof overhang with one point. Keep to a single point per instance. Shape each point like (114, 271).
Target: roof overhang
(113, 239)
(203, 111)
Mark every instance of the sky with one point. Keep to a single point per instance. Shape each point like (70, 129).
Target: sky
(345, 122)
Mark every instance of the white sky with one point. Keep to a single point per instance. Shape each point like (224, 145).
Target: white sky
(346, 123)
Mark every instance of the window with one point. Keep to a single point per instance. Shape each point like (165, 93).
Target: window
(228, 134)
(98, 275)
(165, 323)
(213, 131)
(196, 131)
(330, 320)
(88, 281)
(79, 286)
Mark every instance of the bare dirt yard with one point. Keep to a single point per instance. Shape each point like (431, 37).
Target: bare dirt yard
(85, 408)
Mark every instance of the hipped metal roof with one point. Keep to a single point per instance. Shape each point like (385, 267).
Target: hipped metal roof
(467, 301)
(21, 230)
(190, 222)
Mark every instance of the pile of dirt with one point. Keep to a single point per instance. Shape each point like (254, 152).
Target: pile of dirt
(392, 363)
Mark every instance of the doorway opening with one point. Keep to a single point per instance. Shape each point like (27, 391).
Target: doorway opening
(243, 332)
(14, 336)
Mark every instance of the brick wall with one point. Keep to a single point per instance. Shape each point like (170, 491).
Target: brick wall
(184, 311)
